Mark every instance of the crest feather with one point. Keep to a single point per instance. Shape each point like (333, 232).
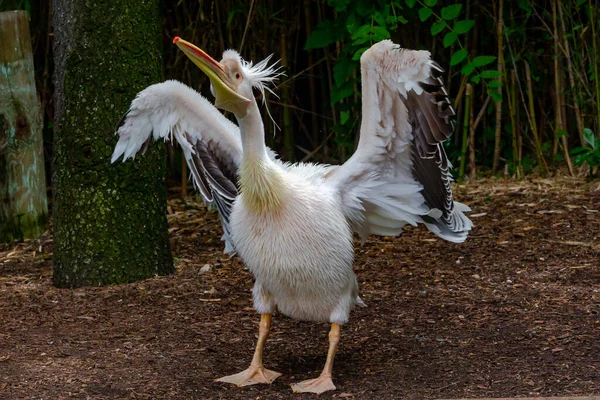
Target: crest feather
(261, 75)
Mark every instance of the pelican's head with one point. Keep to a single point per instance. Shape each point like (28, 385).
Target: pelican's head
(232, 79)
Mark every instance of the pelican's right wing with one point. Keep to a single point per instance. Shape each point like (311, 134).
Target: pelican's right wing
(211, 143)
(399, 173)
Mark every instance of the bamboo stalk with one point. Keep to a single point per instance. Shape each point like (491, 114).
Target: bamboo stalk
(465, 136)
(461, 91)
(312, 86)
(219, 27)
(472, 128)
(511, 94)
(571, 77)
(498, 133)
(472, 164)
(534, 131)
(557, 92)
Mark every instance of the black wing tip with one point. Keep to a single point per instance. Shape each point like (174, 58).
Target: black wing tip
(122, 121)
(436, 69)
(429, 88)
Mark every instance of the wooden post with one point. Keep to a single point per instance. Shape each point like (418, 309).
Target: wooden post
(23, 202)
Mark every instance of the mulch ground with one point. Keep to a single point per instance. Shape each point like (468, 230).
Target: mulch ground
(512, 312)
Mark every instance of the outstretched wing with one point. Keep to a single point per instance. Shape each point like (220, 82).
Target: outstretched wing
(211, 143)
(399, 173)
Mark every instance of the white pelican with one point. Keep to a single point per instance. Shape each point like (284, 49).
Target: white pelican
(293, 224)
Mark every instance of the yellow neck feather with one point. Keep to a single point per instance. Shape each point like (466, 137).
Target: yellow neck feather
(262, 186)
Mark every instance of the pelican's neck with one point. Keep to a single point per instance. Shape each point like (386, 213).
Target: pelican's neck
(262, 182)
(252, 131)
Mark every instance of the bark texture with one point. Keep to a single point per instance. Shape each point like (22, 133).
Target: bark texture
(110, 221)
(23, 202)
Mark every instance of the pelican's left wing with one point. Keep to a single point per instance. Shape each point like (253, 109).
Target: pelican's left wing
(211, 143)
(399, 173)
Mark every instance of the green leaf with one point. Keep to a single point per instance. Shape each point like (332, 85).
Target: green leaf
(338, 94)
(438, 27)
(342, 70)
(463, 26)
(362, 32)
(353, 22)
(431, 3)
(546, 146)
(379, 18)
(475, 79)
(483, 60)
(410, 3)
(359, 53)
(380, 33)
(561, 133)
(344, 117)
(593, 160)
(490, 73)
(339, 5)
(458, 57)
(449, 39)
(580, 159)
(425, 13)
(324, 34)
(495, 84)
(579, 150)
(402, 20)
(588, 136)
(451, 12)
(364, 8)
(467, 69)
(495, 94)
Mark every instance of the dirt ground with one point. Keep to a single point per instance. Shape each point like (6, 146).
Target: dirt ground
(514, 311)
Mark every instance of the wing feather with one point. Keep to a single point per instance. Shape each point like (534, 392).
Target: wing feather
(210, 142)
(400, 173)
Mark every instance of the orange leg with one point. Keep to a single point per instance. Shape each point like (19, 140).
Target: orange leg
(256, 372)
(324, 382)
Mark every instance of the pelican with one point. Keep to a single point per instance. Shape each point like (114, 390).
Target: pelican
(293, 224)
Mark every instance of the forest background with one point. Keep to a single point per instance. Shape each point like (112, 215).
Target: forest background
(522, 74)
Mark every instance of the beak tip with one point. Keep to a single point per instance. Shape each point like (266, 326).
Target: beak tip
(176, 39)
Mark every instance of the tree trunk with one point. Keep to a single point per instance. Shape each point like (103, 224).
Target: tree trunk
(23, 203)
(110, 221)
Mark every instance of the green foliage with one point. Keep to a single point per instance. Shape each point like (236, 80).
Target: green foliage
(326, 33)
(587, 155)
(360, 24)
(461, 35)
